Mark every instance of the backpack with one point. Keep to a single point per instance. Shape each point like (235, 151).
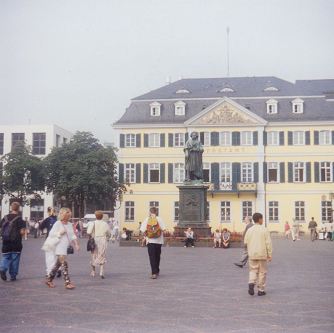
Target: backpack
(153, 229)
(6, 230)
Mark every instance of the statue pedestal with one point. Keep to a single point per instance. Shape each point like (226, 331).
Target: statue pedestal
(193, 210)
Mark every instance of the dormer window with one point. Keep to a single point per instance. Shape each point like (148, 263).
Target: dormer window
(155, 109)
(182, 91)
(297, 106)
(271, 88)
(272, 106)
(180, 108)
(226, 89)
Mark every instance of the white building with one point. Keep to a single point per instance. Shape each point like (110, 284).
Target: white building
(41, 138)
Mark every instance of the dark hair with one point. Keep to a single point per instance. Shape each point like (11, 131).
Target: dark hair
(257, 217)
(154, 210)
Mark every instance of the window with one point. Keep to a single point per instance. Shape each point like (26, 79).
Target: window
(225, 211)
(182, 91)
(64, 141)
(154, 172)
(272, 138)
(225, 138)
(226, 89)
(273, 211)
(324, 138)
(176, 211)
(179, 140)
(129, 210)
(246, 138)
(299, 172)
(247, 210)
(297, 105)
(325, 172)
(300, 210)
(154, 204)
(273, 172)
(246, 172)
(298, 138)
(16, 138)
(206, 172)
(154, 140)
(270, 88)
(180, 108)
(155, 109)
(178, 172)
(206, 139)
(57, 140)
(1, 143)
(130, 140)
(38, 143)
(225, 176)
(326, 211)
(130, 173)
(271, 106)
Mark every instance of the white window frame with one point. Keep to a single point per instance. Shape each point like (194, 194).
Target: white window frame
(129, 211)
(325, 138)
(154, 140)
(273, 211)
(153, 167)
(225, 138)
(326, 211)
(299, 167)
(130, 140)
(298, 138)
(225, 176)
(272, 106)
(207, 139)
(247, 172)
(300, 211)
(246, 208)
(273, 138)
(225, 212)
(325, 172)
(155, 109)
(178, 172)
(178, 139)
(130, 172)
(246, 138)
(297, 106)
(176, 211)
(273, 166)
(180, 108)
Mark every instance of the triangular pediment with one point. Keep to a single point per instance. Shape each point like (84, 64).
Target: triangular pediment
(226, 112)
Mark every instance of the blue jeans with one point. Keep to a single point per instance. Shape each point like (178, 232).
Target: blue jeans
(10, 261)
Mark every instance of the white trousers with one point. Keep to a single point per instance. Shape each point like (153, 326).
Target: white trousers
(50, 261)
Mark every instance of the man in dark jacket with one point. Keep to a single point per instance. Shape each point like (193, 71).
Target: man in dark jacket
(49, 221)
(12, 229)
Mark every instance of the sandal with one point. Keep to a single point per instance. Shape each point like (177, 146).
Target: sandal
(69, 286)
(50, 284)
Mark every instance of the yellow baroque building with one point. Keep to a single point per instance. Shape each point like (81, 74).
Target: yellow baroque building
(268, 147)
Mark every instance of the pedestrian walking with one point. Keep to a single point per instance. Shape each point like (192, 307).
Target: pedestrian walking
(312, 226)
(258, 242)
(100, 231)
(295, 230)
(63, 230)
(244, 256)
(153, 227)
(12, 230)
(287, 230)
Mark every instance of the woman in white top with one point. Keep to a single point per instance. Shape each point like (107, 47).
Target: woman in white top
(63, 230)
(100, 231)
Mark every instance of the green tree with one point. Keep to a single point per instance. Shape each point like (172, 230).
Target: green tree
(83, 172)
(22, 176)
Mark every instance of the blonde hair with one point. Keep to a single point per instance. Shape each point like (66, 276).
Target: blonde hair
(62, 212)
(99, 215)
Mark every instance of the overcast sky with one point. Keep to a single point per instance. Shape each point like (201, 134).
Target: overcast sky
(77, 63)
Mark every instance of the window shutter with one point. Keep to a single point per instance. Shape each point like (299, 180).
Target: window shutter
(308, 172)
(255, 138)
(138, 173)
(332, 137)
(332, 173)
(290, 172)
(170, 140)
(215, 175)
(145, 173)
(316, 172)
(170, 173)
(162, 172)
(138, 141)
(265, 166)
(121, 141)
(290, 138)
(256, 172)
(201, 137)
(307, 137)
(162, 140)
(316, 137)
(214, 139)
(121, 172)
(282, 172)
(281, 138)
(186, 136)
(145, 140)
(235, 138)
(264, 138)
(235, 175)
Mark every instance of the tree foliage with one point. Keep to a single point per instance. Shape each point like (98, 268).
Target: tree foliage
(83, 172)
(22, 177)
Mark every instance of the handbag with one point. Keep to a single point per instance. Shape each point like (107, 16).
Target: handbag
(70, 248)
(91, 242)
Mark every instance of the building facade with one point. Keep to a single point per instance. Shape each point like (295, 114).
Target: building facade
(41, 139)
(268, 147)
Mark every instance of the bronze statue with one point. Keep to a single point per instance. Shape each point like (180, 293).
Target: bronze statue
(193, 158)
